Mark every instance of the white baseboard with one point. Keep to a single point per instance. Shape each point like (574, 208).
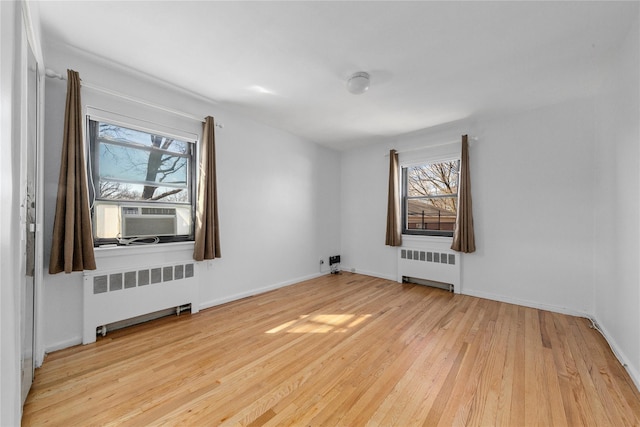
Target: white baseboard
(76, 340)
(369, 273)
(525, 303)
(63, 344)
(257, 291)
(615, 348)
(622, 358)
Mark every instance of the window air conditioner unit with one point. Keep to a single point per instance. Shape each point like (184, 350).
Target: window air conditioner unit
(142, 221)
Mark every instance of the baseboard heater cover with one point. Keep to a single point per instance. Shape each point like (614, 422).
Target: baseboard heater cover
(117, 296)
(102, 330)
(434, 284)
(430, 266)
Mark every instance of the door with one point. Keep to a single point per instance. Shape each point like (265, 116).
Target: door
(29, 211)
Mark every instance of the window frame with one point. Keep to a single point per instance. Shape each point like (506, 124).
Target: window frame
(404, 198)
(193, 161)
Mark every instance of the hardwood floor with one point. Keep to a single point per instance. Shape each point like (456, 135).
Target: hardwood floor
(345, 350)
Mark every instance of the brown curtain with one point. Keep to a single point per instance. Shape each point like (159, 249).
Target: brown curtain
(207, 245)
(72, 245)
(463, 237)
(394, 234)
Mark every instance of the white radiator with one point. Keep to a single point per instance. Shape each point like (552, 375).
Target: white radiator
(116, 295)
(429, 264)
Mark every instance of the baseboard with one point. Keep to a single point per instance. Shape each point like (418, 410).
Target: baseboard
(617, 352)
(620, 355)
(257, 291)
(369, 273)
(525, 303)
(622, 358)
(78, 339)
(60, 345)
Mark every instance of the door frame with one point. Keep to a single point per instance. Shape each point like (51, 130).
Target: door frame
(31, 44)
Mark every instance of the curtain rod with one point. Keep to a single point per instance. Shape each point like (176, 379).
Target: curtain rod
(410, 150)
(52, 74)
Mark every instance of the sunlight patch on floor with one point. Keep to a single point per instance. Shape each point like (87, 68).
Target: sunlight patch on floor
(320, 324)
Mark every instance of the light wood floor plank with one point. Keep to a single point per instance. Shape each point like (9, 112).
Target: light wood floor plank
(343, 350)
(472, 392)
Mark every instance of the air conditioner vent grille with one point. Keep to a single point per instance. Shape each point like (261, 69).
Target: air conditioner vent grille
(158, 211)
(139, 221)
(137, 210)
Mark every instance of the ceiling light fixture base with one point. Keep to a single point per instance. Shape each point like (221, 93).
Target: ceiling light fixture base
(358, 83)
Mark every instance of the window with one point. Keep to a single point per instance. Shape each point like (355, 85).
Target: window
(143, 184)
(430, 198)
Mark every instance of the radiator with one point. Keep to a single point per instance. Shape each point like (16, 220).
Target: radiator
(431, 265)
(117, 295)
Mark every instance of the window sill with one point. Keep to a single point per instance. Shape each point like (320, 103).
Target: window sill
(413, 238)
(161, 248)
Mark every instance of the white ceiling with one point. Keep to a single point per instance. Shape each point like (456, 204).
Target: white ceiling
(286, 63)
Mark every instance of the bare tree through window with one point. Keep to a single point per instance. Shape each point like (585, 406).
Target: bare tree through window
(132, 170)
(135, 165)
(431, 196)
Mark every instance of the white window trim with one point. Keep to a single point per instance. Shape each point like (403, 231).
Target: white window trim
(108, 251)
(438, 153)
(411, 240)
(99, 115)
(431, 154)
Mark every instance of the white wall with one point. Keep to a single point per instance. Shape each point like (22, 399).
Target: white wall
(277, 195)
(533, 201)
(617, 196)
(364, 181)
(19, 32)
(363, 221)
(532, 198)
(9, 220)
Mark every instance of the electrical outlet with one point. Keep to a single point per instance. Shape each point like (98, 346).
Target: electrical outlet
(321, 261)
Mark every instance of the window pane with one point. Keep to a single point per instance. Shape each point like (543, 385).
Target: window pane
(140, 170)
(431, 214)
(114, 190)
(131, 164)
(125, 135)
(433, 179)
